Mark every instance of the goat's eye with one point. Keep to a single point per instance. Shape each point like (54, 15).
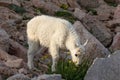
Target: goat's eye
(76, 55)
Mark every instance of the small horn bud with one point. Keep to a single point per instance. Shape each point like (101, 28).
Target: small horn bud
(85, 43)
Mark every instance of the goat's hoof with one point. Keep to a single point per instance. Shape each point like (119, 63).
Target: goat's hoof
(53, 70)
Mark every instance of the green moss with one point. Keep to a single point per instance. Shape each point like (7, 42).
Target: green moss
(40, 10)
(66, 15)
(70, 72)
(63, 13)
(17, 9)
(112, 4)
(64, 6)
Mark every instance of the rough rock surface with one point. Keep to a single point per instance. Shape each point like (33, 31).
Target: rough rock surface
(94, 48)
(8, 2)
(47, 6)
(117, 13)
(1, 77)
(89, 3)
(19, 77)
(79, 13)
(48, 77)
(104, 11)
(4, 56)
(98, 29)
(17, 50)
(17, 63)
(105, 68)
(116, 43)
(6, 71)
(4, 40)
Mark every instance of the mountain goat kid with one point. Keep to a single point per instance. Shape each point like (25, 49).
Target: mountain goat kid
(53, 33)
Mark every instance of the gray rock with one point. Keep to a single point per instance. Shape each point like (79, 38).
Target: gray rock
(89, 3)
(4, 40)
(73, 3)
(104, 11)
(48, 77)
(105, 68)
(19, 77)
(98, 29)
(47, 6)
(8, 2)
(117, 29)
(18, 50)
(1, 78)
(79, 13)
(116, 43)
(117, 13)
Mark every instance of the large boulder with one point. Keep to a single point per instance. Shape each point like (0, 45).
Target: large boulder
(73, 3)
(78, 13)
(104, 11)
(48, 77)
(1, 77)
(19, 77)
(98, 29)
(117, 13)
(48, 7)
(116, 18)
(12, 15)
(89, 3)
(94, 48)
(4, 40)
(7, 71)
(116, 43)
(105, 68)
(8, 2)
(17, 50)
(4, 56)
(17, 63)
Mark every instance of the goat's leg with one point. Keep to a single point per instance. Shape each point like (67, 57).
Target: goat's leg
(33, 48)
(55, 55)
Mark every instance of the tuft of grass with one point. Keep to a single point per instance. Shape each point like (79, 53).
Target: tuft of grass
(114, 4)
(40, 10)
(66, 15)
(64, 6)
(17, 9)
(69, 71)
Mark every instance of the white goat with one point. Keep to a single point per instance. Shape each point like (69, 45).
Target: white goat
(54, 33)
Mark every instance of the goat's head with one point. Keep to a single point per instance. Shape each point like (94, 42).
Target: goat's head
(78, 53)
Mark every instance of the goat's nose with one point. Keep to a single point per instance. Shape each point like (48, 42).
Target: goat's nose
(76, 63)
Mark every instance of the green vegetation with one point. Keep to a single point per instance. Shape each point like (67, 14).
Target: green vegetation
(17, 9)
(66, 15)
(114, 4)
(69, 71)
(40, 10)
(64, 6)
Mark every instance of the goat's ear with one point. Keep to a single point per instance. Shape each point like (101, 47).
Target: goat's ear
(76, 44)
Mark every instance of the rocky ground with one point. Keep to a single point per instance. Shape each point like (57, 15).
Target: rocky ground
(95, 20)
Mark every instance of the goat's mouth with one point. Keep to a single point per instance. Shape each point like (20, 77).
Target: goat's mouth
(76, 63)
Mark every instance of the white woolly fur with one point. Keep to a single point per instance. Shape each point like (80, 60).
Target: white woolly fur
(53, 33)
